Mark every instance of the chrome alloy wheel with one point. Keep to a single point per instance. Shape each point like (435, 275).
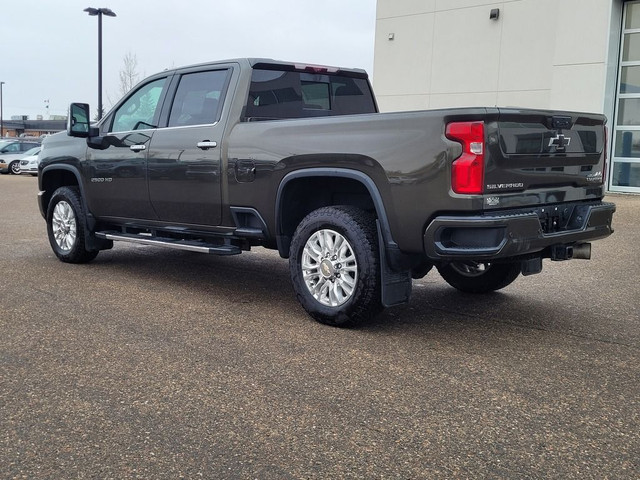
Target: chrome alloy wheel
(329, 268)
(64, 226)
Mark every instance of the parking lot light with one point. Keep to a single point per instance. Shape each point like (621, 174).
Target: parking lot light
(99, 12)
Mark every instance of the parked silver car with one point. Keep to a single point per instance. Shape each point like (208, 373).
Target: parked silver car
(29, 163)
(10, 162)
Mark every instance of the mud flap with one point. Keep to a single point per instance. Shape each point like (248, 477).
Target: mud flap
(396, 286)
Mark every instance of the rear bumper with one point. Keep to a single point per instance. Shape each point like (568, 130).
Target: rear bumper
(514, 233)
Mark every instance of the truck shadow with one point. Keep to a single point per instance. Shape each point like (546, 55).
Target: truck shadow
(262, 277)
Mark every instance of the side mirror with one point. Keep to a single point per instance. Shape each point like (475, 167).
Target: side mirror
(78, 120)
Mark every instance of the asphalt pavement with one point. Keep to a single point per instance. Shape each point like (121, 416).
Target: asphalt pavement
(151, 363)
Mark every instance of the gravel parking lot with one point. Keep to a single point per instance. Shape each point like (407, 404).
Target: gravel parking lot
(150, 363)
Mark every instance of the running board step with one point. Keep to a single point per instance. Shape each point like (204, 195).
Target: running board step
(189, 245)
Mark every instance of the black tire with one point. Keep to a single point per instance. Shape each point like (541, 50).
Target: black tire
(353, 288)
(14, 167)
(66, 226)
(479, 277)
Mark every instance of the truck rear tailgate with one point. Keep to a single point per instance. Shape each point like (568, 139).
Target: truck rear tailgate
(536, 149)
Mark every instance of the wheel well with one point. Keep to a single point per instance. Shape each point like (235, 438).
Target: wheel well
(54, 179)
(304, 195)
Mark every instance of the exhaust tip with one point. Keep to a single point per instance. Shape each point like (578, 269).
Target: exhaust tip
(569, 252)
(582, 251)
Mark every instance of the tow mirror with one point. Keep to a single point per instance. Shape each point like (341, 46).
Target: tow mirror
(78, 120)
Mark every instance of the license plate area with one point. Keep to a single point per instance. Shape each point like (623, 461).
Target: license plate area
(553, 219)
(560, 218)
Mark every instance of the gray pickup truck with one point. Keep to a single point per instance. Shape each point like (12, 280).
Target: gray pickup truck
(224, 156)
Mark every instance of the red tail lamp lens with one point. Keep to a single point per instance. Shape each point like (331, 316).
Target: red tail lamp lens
(467, 171)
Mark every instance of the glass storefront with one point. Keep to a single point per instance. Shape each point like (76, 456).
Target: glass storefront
(624, 172)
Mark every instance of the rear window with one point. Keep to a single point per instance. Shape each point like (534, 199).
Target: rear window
(278, 95)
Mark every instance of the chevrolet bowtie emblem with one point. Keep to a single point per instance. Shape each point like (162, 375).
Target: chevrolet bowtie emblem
(559, 141)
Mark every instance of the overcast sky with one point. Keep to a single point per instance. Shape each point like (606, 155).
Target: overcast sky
(49, 48)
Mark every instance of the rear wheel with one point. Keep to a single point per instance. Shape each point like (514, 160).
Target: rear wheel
(66, 227)
(335, 266)
(479, 277)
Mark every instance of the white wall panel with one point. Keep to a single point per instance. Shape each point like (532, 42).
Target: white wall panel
(466, 51)
(403, 65)
(539, 53)
(398, 8)
(402, 103)
(578, 87)
(463, 100)
(527, 45)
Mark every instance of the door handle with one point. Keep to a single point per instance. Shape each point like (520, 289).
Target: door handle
(137, 148)
(206, 145)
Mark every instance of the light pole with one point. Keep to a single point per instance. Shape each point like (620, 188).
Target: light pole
(99, 12)
(1, 122)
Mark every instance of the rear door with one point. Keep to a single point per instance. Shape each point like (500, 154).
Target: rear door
(185, 157)
(531, 149)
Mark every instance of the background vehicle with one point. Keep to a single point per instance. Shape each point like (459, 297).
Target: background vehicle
(17, 145)
(12, 160)
(220, 157)
(29, 162)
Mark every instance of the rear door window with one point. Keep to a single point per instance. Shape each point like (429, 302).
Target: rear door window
(199, 98)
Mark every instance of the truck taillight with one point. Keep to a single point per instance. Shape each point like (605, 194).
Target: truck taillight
(467, 171)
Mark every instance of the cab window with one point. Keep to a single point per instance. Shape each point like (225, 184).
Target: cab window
(276, 94)
(199, 98)
(138, 112)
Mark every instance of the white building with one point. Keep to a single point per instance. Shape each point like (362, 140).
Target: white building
(581, 55)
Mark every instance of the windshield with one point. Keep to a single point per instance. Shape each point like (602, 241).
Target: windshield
(33, 151)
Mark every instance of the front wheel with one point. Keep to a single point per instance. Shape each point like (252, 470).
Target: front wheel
(479, 277)
(14, 167)
(66, 227)
(335, 266)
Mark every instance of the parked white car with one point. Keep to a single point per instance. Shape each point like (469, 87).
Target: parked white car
(11, 161)
(29, 163)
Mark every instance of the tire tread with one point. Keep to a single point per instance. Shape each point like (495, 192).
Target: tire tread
(361, 227)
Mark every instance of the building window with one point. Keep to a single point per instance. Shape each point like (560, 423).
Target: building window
(625, 168)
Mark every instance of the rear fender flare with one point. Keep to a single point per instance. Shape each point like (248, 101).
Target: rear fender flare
(364, 179)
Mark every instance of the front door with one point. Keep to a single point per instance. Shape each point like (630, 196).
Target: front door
(116, 173)
(184, 158)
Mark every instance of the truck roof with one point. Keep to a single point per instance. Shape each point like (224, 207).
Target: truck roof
(271, 64)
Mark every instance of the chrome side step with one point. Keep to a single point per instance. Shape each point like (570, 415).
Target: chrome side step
(188, 245)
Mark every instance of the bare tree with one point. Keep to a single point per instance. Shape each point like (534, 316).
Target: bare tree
(128, 73)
